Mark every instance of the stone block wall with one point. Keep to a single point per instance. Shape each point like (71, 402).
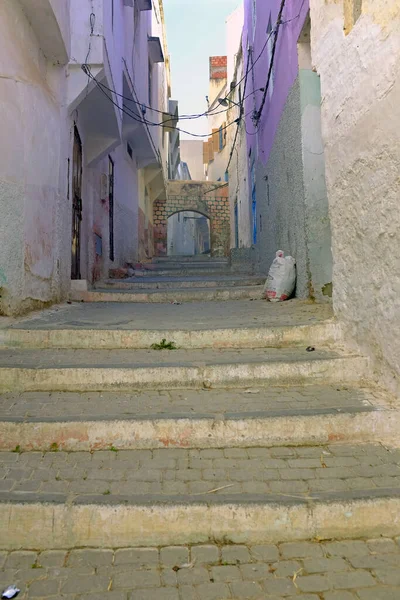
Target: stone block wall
(206, 198)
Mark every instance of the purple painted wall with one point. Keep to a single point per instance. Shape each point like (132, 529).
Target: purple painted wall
(285, 65)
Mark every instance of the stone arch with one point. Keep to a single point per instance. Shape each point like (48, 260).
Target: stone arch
(207, 198)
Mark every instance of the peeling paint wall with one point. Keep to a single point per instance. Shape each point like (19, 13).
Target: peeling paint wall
(360, 79)
(33, 170)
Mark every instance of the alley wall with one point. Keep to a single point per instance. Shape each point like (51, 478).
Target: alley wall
(361, 124)
(33, 167)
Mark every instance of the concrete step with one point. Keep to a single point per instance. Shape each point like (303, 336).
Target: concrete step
(164, 296)
(174, 496)
(171, 283)
(206, 258)
(176, 265)
(97, 370)
(185, 271)
(200, 325)
(240, 418)
(318, 334)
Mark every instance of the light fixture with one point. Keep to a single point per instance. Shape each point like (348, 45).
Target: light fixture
(225, 102)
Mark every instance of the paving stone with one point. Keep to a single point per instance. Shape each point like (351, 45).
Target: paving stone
(313, 583)
(20, 560)
(80, 584)
(300, 550)
(52, 558)
(226, 573)
(285, 568)
(136, 579)
(280, 587)
(174, 556)
(379, 593)
(49, 587)
(213, 591)
(254, 571)
(193, 576)
(246, 589)
(266, 552)
(383, 546)
(325, 565)
(346, 548)
(341, 595)
(351, 580)
(137, 557)
(95, 558)
(166, 593)
(235, 554)
(389, 576)
(205, 554)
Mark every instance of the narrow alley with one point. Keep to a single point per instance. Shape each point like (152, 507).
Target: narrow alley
(199, 349)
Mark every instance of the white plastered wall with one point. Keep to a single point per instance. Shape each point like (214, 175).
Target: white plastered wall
(361, 128)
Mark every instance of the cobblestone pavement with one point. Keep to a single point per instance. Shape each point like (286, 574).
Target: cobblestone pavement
(285, 471)
(202, 315)
(333, 570)
(104, 405)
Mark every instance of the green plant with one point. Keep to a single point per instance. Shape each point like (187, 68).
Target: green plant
(54, 447)
(113, 449)
(17, 449)
(164, 345)
(36, 566)
(106, 493)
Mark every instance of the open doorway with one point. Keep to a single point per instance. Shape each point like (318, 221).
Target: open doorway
(76, 207)
(188, 234)
(318, 231)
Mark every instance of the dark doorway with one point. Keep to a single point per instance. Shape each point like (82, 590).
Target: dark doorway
(76, 207)
(111, 204)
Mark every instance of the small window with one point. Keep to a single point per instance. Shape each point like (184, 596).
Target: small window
(221, 139)
(226, 176)
(129, 150)
(112, 14)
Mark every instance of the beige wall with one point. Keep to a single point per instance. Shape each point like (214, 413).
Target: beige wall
(360, 80)
(192, 154)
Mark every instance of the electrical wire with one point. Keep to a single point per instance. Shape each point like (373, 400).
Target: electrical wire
(141, 119)
(297, 16)
(195, 115)
(239, 120)
(279, 22)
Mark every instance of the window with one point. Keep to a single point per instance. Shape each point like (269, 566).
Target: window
(221, 139)
(111, 204)
(112, 14)
(352, 12)
(254, 11)
(226, 177)
(150, 82)
(271, 38)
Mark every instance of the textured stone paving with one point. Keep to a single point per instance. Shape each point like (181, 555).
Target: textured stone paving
(193, 475)
(332, 570)
(224, 403)
(202, 315)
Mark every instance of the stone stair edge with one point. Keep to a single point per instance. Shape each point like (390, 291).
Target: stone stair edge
(122, 524)
(311, 429)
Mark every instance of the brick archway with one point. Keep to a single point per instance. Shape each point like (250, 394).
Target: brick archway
(196, 196)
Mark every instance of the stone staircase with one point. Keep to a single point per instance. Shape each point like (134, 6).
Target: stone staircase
(178, 279)
(260, 428)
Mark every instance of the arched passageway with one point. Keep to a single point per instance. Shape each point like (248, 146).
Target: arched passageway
(188, 234)
(206, 198)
